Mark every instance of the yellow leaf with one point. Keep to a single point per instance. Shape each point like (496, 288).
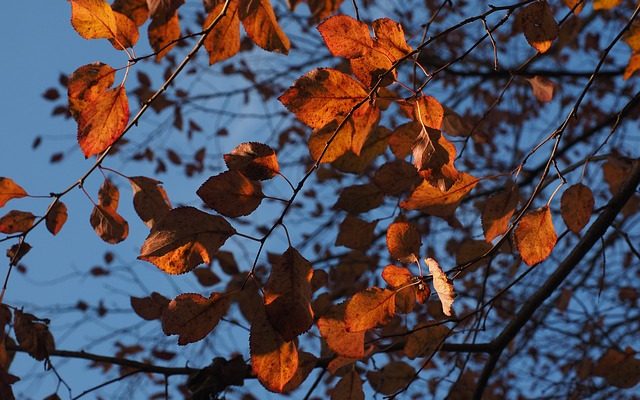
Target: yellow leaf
(535, 236)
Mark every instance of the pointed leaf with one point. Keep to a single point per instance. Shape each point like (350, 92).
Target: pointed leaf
(149, 199)
(349, 387)
(102, 121)
(163, 35)
(223, 41)
(108, 224)
(391, 378)
(390, 36)
(260, 23)
(185, 238)
(93, 19)
(535, 236)
(150, 307)
(425, 340)
(192, 316)
(231, 194)
(346, 36)
(357, 199)
(443, 286)
(88, 83)
(56, 218)
(576, 206)
(334, 331)
(369, 308)
(16, 221)
(355, 233)
(432, 200)
(33, 335)
(498, 210)
(255, 160)
(127, 34)
(403, 241)
(10, 190)
(539, 26)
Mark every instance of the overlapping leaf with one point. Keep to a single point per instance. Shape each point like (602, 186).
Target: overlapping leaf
(93, 19)
(346, 36)
(192, 316)
(259, 21)
(102, 121)
(231, 194)
(255, 160)
(149, 199)
(334, 331)
(150, 307)
(88, 83)
(535, 236)
(443, 286)
(163, 35)
(223, 41)
(369, 308)
(403, 240)
(432, 200)
(539, 26)
(498, 210)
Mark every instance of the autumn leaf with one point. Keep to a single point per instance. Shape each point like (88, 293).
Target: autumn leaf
(86, 84)
(369, 308)
(306, 363)
(149, 199)
(498, 210)
(632, 66)
(108, 224)
(443, 286)
(231, 194)
(17, 251)
(192, 316)
(432, 200)
(185, 238)
(543, 88)
(575, 5)
(127, 32)
(102, 121)
(56, 217)
(16, 221)
(321, 96)
(395, 276)
(10, 190)
(618, 368)
(372, 65)
(539, 26)
(425, 339)
(428, 111)
(403, 138)
(136, 10)
(33, 335)
(93, 19)
(287, 295)
(433, 157)
(374, 146)
(349, 387)
(150, 307)
(392, 377)
(605, 4)
(396, 177)
(108, 195)
(206, 277)
(403, 240)
(345, 36)
(357, 199)
(390, 35)
(223, 41)
(163, 10)
(259, 21)
(576, 206)
(334, 331)
(255, 160)
(163, 35)
(355, 233)
(535, 236)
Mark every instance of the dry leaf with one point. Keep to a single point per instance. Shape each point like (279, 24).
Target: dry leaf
(346, 36)
(390, 35)
(425, 340)
(605, 4)
(357, 199)
(127, 34)
(137, 10)
(256, 161)
(543, 88)
(576, 206)
(16, 221)
(403, 240)
(355, 233)
(536, 236)
(223, 41)
(17, 251)
(56, 217)
(369, 308)
(163, 35)
(391, 378)
(192, 316)
(260, 23)
(349, 387)
(539, 26)
(86, 84)
(149, 199)
(33, 335)
(498, 210)
(150, 307)
(108, 195)
(396, 177)
(443, 286)
(108, 224)
(334, 331)
(102, 121)
(431, 200)
(10, 190)
(93, 19)
(231, 194)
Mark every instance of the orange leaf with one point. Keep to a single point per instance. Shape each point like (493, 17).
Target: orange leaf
(321, 96)
(349, 387)
(576, 206)
(390, 35)
(425, 340)
(16, 221)
(260, 23)
(375, 145)
(536, 236)
(287, 295)
(231, 194)
(56, 217)
(632, 66)
(185, 238)
(340, 145)
(306, 363)
(256, 161)
(334, 331)
(93, 19)
(150, 307)
(539, 26)
(369, 67)
(345, 36)
(273, 360)
(10, 190)
(127, 34)
(391, 378)
(102, 121)
(223, 41)
(108, 224)
(605, 4)
(498, 210)
(396, 177)
(364, 119)
(136, 10)
(429, 111)
(578, 4)
(432, 200)
(403, 240)
(542, 87)
(369, 308)
(395, 276)
(87, 84)
(163, 34)
(357, 199)
(108, 195)
(403, 138)
(434, 156)
(443, 286)
(192, 316)
(355, 233)
(149, 199)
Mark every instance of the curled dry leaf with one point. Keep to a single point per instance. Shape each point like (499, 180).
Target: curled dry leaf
(255, 160)
(346, 36)
(261, 25)
(391, 378)
(334, 331)
(108, 224)
(150, 200)
(539, 26)
(93, 19)
(17, 251)
(150, 307)
(498, 210)
(443, 286)
(192, 316)
(10, 190)
(369, 308)
(33, 335)
(403, 240)
(185, 238)
(287, 294)
(576, 206)
(56, 217)
(223, 41)
(16, 221)
(535, 236)
(231, 194)
(349, 387)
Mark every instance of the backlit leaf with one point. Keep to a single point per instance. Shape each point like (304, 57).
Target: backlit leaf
(539, 26)
(443, 286)
(150, 307)
(349, 387)
(231, 194)
(498, 210)
(306, 363)
(287, 295)
(88, 83)
(535, 236)
(542, 87)
(108, 224)
(102, 121)
(127, 34)
(391, 378)
(433, 157)
(256, 161)
(360, 198)
(429, 111)
(390, 35)
(605, 4)
(334, 331)
(93, 19)
(223, 41)
(632, 66)
(136, 10)
(375, 145)
(56, 217)
(10, 190)
(575, 5)
(396, 177)
(192, 316)
(403, 240)
(16, 221)
(395, 276)
(432, 200)
(372, 65)
(425, 340)
(355, 233)
(260, 23)
(346, 36)
(163, 34)
(149, 199)
(576, 206)
(369, 308)
(185, 238)
(402, 140)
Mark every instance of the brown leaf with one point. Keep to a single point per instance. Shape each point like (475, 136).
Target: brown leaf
(206, 277)
(357, 199)
(403, 139)
(349, 387)
(321, 96)
(576, 206)
(33, 335)
(150, 307)
(433, 157)
(432, 200)
(163, 10)
(403, 240)
(163, 34)
(334, 331)
(543, 88)
(536, 236)
(395, 276)
(108, 195)
(231, 194)
(149, 199)
(137, 10)
(619, 369)
(56, 217)
(287, 295)
(429, 111)
(443, 286)
(425, 340)
(108, 224)
(396, 177)
(375, 145)
(321, 9)
(127, 32)
(539, 26)
(369, 308)
(223, 41)
(185, 238)
(192, 316)
(306, 363)
(260, 23)
(93, 19)
(345, 36)
(390, 35)
(391, 378)
(17, 251)
(372, 65)
(255, 160)
(355, 233)
(102, 121)
(498, 210)
(86, 84)
(10, 190)
(16, 221)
